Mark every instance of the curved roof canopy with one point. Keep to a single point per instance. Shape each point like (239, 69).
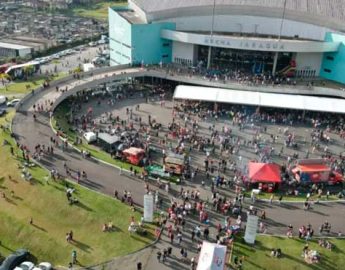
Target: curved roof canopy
(286, 101)
(329, 13)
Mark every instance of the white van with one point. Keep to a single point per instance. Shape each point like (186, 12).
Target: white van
(3, 100)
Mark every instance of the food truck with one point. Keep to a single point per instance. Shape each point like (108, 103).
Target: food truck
(174, 163)
(313, 171)
(134, 155)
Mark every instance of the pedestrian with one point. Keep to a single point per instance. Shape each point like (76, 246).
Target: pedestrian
(159, 255)
(165, 254)
(179, 238)
(206, 233)
(193, 263)
(263, 214)
(74, 257)
(172, 238)
(139, 266)
(182, 251)
(192, 235)
(280, 199)
(271, 198)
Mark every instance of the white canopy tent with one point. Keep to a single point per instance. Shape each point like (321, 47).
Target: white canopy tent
(90, 137)
(296, 102)
(212, 257)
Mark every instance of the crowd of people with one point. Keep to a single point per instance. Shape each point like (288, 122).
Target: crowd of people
(213, 137)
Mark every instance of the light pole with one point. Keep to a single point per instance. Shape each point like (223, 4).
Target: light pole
(276, 55)
(212, 27)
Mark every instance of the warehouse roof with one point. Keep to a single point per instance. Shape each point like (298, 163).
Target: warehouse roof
(13, 46)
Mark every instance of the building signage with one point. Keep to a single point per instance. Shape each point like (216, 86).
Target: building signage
(249, 45)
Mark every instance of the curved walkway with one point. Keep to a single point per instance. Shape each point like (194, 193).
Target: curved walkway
(104, 178)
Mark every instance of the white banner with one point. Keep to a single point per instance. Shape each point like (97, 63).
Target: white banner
(212, 257)
(148, 207)
(251, 229)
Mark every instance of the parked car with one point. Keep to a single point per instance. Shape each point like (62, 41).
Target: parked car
(14, 259)
(13, 102)
(3, 100)
(44, 266)
(2, 112)
(25, 266)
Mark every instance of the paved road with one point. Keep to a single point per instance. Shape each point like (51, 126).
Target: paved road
(105, 179)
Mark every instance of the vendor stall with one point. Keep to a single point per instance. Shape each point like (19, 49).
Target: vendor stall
(134, 155)
(90, 137)
(310, 171)
(264, 176)
(174, 164)
(108, 142)
(157, 171)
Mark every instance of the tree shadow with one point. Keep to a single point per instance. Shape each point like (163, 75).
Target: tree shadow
(38, 227)
(81, 246)
(10, 201)
(17, 197)
(83, 206)
(6, 247)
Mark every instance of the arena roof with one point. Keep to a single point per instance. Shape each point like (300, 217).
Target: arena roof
(294, 102)
(328, 13)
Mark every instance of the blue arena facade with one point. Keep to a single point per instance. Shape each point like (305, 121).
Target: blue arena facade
(299, 39)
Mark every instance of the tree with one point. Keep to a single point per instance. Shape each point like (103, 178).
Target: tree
(5, 77)
(28, 71)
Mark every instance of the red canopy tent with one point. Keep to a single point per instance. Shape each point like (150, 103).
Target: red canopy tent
(264, 172)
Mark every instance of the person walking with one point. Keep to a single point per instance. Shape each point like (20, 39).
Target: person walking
(280, 199)
(172, 238)
(74, 257)
(263, 214)
(206, 233)
(159, 255)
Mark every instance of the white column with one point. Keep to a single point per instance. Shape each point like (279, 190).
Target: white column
(209, 57)
(275, 63)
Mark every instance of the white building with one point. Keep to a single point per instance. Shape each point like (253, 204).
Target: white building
(289, 37)
(14, 50)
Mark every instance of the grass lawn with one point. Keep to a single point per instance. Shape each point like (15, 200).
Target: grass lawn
(20, 87)
(45, 201)
(60, 121)
(98, 10)
(258, 256)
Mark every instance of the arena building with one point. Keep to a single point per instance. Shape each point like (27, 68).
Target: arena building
(303, 38)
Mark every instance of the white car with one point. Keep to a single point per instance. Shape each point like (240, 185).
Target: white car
(13, 102)
(44, 266)
(25, 266)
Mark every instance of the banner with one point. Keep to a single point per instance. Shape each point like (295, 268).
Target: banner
(212, 257)
(148, 207)
(251, 229)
